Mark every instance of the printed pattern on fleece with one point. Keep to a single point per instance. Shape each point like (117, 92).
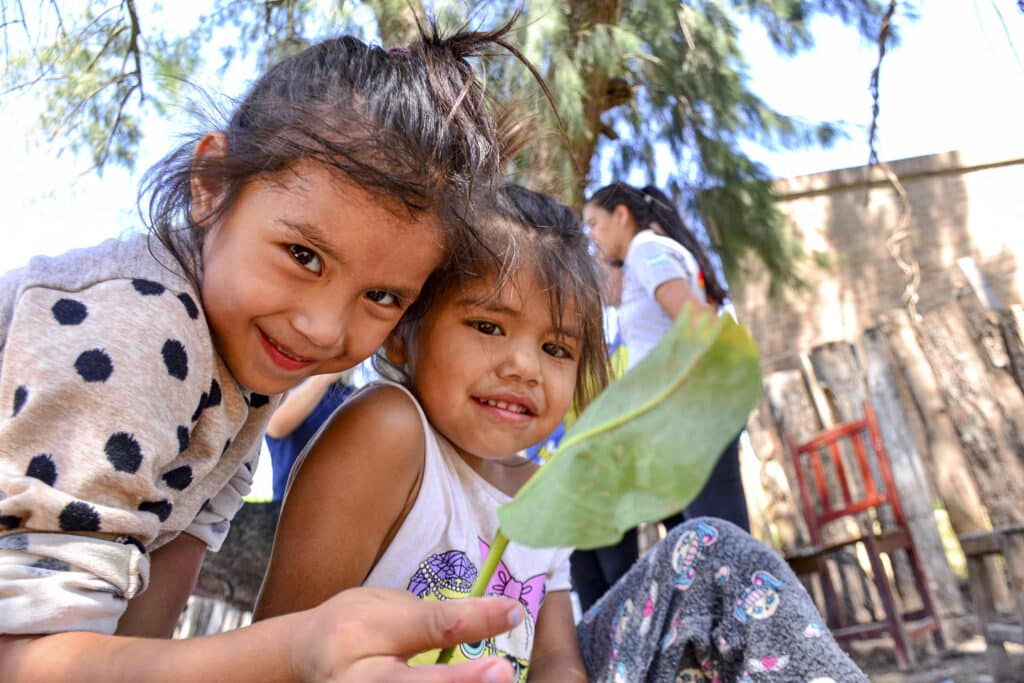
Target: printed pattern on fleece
(710, 604)
(120, 427)
(440, 548)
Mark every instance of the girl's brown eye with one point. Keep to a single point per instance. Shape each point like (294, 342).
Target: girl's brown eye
(307, 258)
(557, 351)
(484, 327)
(383, 298)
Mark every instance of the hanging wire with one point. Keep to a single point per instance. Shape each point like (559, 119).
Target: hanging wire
(898, 243)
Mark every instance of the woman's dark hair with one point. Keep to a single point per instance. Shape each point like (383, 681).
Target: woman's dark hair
(411, 126)
(650, 206)
(527, 229)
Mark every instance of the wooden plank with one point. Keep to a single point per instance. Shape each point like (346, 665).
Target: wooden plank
(1011, 324)
(948, 464)
(917, 496)
(988, 440)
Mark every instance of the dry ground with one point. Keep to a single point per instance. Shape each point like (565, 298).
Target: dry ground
(965, 662)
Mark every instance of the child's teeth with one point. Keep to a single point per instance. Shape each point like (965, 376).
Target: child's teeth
(505, 406)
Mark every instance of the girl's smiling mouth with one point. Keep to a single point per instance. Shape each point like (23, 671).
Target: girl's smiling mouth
(281, 356)
(507, 407)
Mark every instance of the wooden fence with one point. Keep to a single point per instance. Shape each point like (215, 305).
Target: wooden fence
(948, 389)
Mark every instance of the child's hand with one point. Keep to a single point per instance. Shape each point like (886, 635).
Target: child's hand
(366, 634)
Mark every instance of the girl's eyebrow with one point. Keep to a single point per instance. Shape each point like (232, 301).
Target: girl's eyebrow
(490, 304)
(317, 238)
(314, 235)
(494, 305)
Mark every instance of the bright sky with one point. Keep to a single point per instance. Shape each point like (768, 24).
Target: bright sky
(954, 83)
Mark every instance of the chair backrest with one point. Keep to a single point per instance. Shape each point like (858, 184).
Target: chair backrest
(825, 462)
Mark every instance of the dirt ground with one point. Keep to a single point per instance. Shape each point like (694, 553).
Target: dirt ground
(965, 662)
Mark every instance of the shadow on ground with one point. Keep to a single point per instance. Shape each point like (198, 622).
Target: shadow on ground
(964, 663)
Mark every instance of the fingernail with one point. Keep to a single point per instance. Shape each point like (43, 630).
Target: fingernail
(496, 673)
(515, 616)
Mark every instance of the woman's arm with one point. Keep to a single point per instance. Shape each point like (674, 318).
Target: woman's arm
(298, 404)
(348, 497)
(360, 635)
(673, 295)
(556, 653)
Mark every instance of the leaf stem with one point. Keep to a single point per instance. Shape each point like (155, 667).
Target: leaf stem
(482, 579)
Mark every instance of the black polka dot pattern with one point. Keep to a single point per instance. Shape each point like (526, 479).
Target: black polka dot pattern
(189, 304)
(123, 452)
(175, 359)
(183, 438)
(160, 508)
(203, 402)
(258, 400)
(43, 468)
(179, 478)
(51, 564)
(79, 516)
(69, 312)
(17, 542)
(131, 540)
(20, 396)
(215, 395)
(94, 365)
(8, 522)
(148, 287)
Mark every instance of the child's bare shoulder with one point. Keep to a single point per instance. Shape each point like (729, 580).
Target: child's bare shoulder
(382, 417)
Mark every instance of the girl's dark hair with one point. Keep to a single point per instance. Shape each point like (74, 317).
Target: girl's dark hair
(409, 125)
(651, 206)
(527, 229)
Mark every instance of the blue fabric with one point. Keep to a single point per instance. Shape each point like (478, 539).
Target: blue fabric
(283, 451)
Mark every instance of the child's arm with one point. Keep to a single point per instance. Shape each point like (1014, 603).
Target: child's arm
(173, 571)
(556, 653)
(361, 635)
(347, 499)
(298, 404)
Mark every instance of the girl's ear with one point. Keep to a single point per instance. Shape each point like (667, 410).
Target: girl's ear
(394, 348)
(622, 214)
(206, 192)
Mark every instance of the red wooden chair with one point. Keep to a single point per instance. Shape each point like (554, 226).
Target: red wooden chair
(839, 479)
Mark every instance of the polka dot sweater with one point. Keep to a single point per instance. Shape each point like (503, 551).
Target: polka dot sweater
(120, 427)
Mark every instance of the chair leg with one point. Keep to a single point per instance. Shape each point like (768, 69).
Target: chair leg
(905, 656)
(984, 606)
(926, 598)
(834, 613)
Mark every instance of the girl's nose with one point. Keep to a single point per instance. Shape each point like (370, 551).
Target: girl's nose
(522, 363)
(323, 325)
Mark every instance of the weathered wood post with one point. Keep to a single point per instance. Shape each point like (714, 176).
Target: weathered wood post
(949, 467)
(911, 478)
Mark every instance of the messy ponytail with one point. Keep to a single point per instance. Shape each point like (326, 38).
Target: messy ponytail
(409, 125)
(651, 207)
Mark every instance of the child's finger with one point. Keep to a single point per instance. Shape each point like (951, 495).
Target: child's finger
(433, 625)
(487, 670)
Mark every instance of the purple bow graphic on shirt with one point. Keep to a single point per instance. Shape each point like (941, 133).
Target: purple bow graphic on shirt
(529, 592)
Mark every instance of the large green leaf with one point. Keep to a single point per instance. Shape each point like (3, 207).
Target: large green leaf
(644, 448)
